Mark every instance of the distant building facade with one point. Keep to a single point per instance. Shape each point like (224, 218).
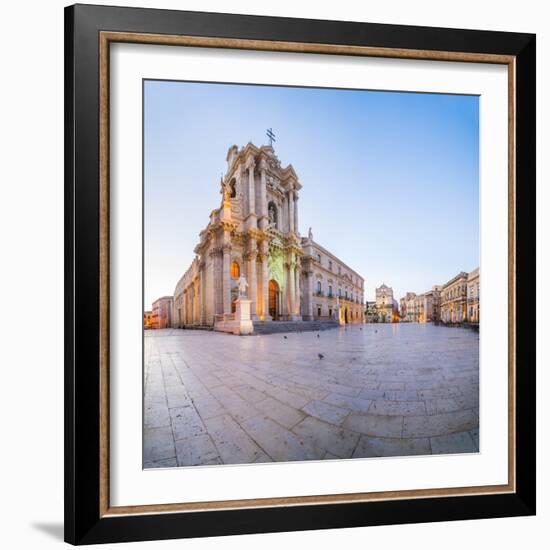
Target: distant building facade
(472, 298)
(423, 308)
(254, 233)
(147, 319)
(337, 290)
(386, 305)
(454, 299)
(457, 301)
(162, 312)
(371, 314)
(406, 307)
(432, 304)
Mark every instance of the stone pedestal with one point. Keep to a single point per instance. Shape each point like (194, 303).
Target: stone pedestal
(243, 322)
(239, 323)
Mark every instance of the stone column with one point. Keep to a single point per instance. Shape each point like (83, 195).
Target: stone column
(283, 293)
(202, 278)
(219, 282)
(184, 307)
(195, 302)
(291, 288)
(291, 210)
(263, 195)
(310, 295)
(297, 311)
(217, 290)
(252, 282)
(226, 278)
(296, 226)
(265, 282)
(251, 188)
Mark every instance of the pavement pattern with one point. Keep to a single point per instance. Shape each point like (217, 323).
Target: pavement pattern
(358, 391)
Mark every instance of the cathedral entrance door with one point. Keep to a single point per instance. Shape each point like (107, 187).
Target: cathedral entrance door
(274, 300)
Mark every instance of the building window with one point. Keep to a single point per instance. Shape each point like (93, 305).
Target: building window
(319, 287)
(330, 265)
(235, 270)
(339, 270)
(319, 258)
(330, 290)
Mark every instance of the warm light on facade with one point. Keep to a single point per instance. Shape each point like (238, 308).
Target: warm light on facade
(235, 270)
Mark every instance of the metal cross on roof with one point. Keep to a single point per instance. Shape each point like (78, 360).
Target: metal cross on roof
(271, 136)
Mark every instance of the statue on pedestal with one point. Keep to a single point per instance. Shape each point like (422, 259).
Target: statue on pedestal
(242, 286)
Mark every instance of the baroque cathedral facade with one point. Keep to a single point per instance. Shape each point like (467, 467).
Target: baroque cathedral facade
(254, 233)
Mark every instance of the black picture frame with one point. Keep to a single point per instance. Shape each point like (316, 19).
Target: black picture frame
(84, 524)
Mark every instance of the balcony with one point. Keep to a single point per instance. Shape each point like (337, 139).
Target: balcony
(349, 299)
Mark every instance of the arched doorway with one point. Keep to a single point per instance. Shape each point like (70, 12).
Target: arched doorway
(346, 316)
(274, 300)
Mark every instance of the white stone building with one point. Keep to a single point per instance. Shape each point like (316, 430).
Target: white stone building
(330, 289)
(161, 315)
(421, 308)
(386, 306)
(473, 296)
(255, 233)
(406, 307)
(453, 299)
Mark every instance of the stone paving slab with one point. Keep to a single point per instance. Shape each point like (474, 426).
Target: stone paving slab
(378, 390)
(357, 404)
(280, 444)
(166, 463)
(461, 442)
(439, 424)
(156, 415)
(397, 408)
(158, 444)
(375, 424)
(328, 413)
(337, 441)
(186, 422)
(208, 406)
(391, 446)
(196, 450)
(282, 414)
(475, 436)
(233, 443)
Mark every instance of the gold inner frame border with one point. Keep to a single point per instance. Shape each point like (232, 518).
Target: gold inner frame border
(108, 37)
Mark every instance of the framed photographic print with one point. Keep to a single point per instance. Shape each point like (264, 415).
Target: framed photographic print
(300, 274)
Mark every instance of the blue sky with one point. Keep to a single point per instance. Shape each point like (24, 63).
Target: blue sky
(390, 180)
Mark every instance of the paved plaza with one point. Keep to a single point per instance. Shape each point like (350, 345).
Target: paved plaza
(357, 391)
